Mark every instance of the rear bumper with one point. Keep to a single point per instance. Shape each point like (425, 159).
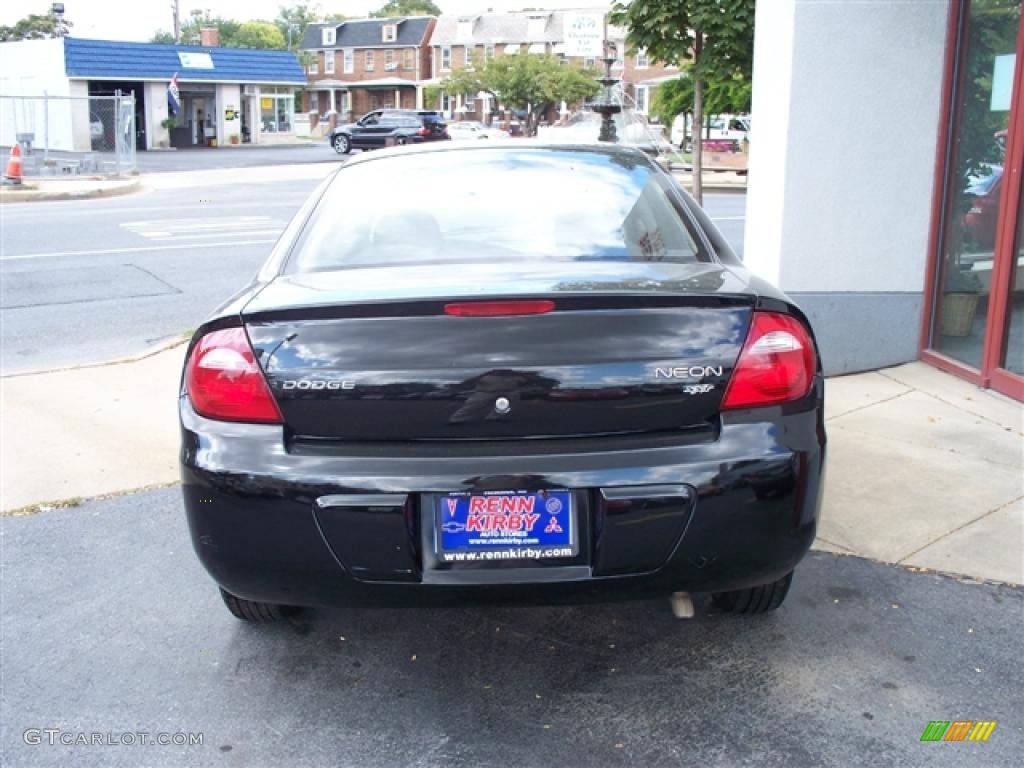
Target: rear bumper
(736, 509)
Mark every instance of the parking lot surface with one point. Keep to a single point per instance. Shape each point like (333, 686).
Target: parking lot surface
(110, 625)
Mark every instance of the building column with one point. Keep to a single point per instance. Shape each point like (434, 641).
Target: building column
(229, 98)
(398, 98)
(156, 113)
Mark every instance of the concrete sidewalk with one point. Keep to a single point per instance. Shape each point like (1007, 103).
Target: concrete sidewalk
(923, 469)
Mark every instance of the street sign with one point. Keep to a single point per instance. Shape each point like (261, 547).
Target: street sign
(583, 34)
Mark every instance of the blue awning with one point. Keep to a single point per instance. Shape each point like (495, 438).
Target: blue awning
(111, 59)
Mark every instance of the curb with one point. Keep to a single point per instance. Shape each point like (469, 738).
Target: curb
(9, 195)
(76, 501)
(709, 183)
(155, 349)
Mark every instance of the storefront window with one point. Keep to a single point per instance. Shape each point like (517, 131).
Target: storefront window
(974, 180)
(277, 108)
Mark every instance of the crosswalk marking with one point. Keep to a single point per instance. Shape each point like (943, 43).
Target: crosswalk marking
(163, 230)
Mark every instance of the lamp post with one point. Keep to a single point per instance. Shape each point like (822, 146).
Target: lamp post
(607, 104)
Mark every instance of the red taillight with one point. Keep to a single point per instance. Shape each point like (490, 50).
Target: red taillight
(424, 131)
(224, 381)
(776, 365)
(498, 308)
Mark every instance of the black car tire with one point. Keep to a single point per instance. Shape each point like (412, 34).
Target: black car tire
(401, 141)
(249, 610)
(342, 144)
(754, 600)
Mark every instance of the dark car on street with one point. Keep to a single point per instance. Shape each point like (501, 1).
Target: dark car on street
(388, 127)
(539, 372)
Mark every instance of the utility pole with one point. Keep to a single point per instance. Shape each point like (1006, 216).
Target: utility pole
(177, 21)
(57, 9)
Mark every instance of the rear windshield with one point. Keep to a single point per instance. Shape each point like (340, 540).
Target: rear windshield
(492, 205)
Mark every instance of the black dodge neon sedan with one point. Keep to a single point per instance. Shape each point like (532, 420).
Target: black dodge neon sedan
(486, 371)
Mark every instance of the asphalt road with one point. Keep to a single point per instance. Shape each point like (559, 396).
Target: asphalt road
(92, 280)
(234, 157)
(111, 625)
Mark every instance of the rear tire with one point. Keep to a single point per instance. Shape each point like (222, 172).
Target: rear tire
(342, 145)
(250, 610)
(754, 600)
(401, 141)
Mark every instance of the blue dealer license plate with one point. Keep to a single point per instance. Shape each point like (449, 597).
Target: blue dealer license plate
(505, 525)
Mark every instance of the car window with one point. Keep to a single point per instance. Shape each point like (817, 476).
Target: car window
(537, 205)
(371, 119)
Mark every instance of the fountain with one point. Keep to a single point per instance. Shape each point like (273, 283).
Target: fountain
(607, 103)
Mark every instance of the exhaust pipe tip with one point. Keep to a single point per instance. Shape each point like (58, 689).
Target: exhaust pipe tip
(682, 605)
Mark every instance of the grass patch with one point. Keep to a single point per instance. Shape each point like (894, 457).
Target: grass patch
(44, 506)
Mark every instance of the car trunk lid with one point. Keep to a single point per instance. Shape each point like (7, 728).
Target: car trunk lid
(654, 356)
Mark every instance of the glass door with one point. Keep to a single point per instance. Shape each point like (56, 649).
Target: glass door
(1007, 356)
(975, 318)
(1012, 353)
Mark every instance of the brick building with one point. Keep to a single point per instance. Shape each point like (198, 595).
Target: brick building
(458, 41)
(365, 64)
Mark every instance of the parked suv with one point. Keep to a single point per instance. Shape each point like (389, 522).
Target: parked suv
(384, 127)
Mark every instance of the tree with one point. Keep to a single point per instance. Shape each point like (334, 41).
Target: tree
(227, 31)
(715, 36)
(675, 97)
(259, 34)
(230, 33)
(406, 8)
(35, 27)
(296, 18)
(527, 82)
(252, 34)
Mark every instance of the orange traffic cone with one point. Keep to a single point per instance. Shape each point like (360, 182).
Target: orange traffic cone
(13, 173)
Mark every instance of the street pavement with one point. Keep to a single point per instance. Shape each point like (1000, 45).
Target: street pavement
(111, 625)
(243, 156)
(86, 281)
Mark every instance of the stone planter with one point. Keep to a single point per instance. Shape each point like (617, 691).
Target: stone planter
(958, 312)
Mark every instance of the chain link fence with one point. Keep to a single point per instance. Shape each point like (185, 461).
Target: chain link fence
(69, 136)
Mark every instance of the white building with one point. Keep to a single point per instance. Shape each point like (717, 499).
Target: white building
(885, 180)
(225, 92)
